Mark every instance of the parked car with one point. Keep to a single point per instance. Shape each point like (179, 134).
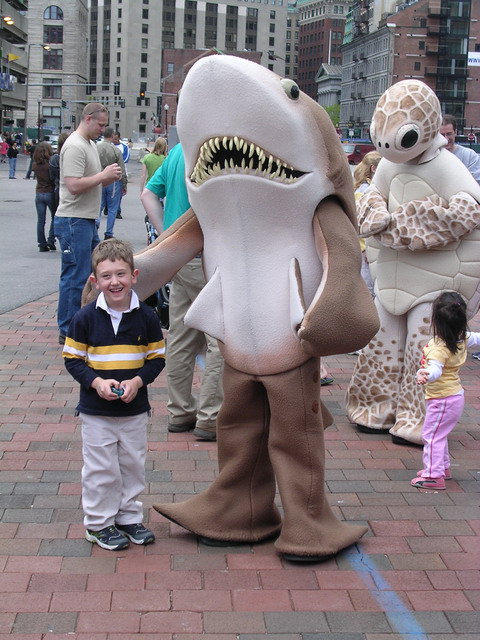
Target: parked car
(53, 140)
(356, 150)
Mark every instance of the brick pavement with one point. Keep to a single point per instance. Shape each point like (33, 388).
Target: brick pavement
(414, 574)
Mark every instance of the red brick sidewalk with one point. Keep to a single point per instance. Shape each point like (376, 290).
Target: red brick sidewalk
(415, 574)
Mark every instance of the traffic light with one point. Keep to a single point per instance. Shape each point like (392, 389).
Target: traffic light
(143, 88)
(64, 104)
(116, 88)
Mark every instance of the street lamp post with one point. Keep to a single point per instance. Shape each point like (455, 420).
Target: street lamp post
(166, 107)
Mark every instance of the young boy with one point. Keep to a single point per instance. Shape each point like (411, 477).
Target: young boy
(114, 349)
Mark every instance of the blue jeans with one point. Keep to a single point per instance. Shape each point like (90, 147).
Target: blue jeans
(111, 197)
(42, 201)
(29, 170)
(12, 165)
(78, 237)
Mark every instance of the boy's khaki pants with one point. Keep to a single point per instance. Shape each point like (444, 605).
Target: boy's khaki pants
(113, 472)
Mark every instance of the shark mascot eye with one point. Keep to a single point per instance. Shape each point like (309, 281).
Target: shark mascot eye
(291, 88)
(407, 136)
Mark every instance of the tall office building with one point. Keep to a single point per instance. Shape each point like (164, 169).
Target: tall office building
(13, 62)
(424, 39)
(127, 39)
(322, 24)
(57, 62)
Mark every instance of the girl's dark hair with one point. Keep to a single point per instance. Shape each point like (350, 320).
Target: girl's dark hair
(449, 319)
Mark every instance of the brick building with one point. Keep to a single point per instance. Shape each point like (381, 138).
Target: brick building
(321, 30)
(424, 39)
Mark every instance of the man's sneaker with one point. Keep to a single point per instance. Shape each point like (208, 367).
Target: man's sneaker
(476, 355)
(109, 538)
(137, 533)
(204, 434)
(181, 428)
(429, 483)
(447, 476)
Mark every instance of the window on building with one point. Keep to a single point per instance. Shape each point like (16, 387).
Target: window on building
(416, 66)
(142, 128)
(52, 88)
(119, 42)
(53, 13)
(117, 115)
(271, 42)
(144, 58)
(144, 14)
(119, 27)
(170, 67)
(118, 72)
(421, 44)
(53, 59)
(144, 43)
(52, 117)
(143, 72)
(119, 56)
(272, 27)
(144, 28)
(272, 15)
(53, 34)
(147, 102)
(143, 115)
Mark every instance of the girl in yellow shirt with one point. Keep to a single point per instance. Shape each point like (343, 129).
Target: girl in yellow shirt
(442, 358)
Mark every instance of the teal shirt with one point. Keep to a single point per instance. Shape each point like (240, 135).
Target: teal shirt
(168, 182)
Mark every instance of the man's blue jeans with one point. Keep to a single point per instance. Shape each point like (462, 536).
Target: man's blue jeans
(78, 237)
(111, 197)
(42, 201)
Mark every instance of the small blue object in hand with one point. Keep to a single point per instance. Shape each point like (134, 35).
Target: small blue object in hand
(119, 392)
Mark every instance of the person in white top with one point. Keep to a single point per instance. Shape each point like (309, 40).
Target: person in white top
(468, 156)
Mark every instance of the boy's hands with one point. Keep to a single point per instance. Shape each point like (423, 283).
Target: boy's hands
(130, 388)
(104, 388)
(422, 376)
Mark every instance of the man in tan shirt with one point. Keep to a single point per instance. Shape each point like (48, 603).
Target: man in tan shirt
(81, 181)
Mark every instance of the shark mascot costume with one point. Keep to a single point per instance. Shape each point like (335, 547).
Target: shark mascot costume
(274, 214)
(420, 216)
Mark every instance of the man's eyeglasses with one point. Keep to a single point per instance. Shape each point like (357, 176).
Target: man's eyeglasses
(102, 110)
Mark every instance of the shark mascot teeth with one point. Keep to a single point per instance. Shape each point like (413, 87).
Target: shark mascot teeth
(273, 212)
(420, 216)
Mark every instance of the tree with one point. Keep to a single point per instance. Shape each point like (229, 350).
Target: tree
(334, 113)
